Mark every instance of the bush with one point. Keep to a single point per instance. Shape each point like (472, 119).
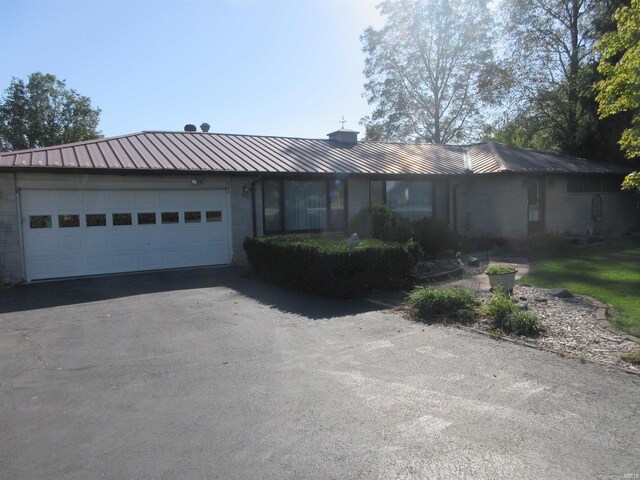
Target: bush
(433, 235)
(456, 303)
(380, 222)
(498, 269)
(509, 317)
(327, 266)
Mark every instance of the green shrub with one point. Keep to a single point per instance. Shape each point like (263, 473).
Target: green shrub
(498, 269)
(633, 357)
(378, 221)
(426, 303)
(327, 266)
(433, 235)
(509, 317)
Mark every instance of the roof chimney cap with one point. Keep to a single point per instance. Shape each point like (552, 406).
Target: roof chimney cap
(344, 135)
(190, 128)
(205, 127)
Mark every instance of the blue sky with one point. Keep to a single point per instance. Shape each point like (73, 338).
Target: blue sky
(286, 68)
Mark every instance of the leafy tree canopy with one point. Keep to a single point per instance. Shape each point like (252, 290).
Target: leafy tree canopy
(44, 112)
(429, 68)
(619, 91)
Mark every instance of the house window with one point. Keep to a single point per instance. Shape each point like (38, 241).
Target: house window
(411, 199)
(39, 221)
(96, 219)
(533, 201)
(304, 205)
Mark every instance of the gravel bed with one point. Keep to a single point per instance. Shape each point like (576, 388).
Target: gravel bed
(571, 328)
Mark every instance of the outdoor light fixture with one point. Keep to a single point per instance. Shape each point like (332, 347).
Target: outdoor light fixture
(245, 191)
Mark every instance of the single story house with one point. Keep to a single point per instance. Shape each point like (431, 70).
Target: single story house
(156, 200)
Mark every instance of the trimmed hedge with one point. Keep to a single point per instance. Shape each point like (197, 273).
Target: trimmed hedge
(327, 266)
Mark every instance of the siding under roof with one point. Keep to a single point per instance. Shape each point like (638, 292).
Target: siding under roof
(226, 153)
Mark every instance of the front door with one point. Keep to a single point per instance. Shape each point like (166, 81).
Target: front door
(535, 206)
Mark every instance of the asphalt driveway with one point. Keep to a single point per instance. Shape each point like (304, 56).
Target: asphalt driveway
(212, 374)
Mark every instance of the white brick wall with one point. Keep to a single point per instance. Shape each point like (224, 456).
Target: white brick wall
(10, 257)
(493, 205)
(571, 212)
(241, 215)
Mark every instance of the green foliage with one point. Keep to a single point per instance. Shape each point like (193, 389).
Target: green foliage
(327, 266)
(633, 357)
(632, 182)
(498, 269)
(428, 70)
(378, 221)
(426, 303)
(44, 112)
(433, 235)
(619, 91)
(509, 317)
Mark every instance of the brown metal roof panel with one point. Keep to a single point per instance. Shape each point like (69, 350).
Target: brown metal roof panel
(284, 157)
(195, 152)
(39, 158)
(257, 160)
(528, 161)
(208, 153)
(178, 151)
(232, 155)
(168, 156)
(482, 159)
(271, 154)
(84, 160)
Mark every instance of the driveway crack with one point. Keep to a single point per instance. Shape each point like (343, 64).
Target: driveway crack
(35, 348)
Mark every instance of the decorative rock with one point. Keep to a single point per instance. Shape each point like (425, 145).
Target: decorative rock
(541, 300)
(473, 262)
(561, 293)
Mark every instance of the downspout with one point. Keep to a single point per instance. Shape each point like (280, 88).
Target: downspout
(253, 206)
(23, 262)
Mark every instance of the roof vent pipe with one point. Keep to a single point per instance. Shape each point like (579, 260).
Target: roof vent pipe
(190, 128)
(205, 127)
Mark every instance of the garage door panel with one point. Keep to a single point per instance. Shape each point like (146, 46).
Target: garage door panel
(53, 251)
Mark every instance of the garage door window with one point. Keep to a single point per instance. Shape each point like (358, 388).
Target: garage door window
(214, 216)
(120, 219)
(65, 221)
(192, 217)
(170, 217)
(146, 219)
(96, 220)
(40, 221)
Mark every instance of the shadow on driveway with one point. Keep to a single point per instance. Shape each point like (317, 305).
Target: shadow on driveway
(84, 290)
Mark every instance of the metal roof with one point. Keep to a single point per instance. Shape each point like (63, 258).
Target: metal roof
(227, 153)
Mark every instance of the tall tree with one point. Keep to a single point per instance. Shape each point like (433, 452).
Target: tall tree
(619, 91)
(45, 112)
(550, 41)
(429, 68)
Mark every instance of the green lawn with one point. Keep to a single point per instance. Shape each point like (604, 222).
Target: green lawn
(611, 274)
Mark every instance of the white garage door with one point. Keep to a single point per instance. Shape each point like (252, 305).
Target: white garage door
(70, 233)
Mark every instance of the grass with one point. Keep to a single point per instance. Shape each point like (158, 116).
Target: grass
(611, 274)
(429, 304)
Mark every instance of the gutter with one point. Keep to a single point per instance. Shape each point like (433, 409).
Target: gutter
(254, 220)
